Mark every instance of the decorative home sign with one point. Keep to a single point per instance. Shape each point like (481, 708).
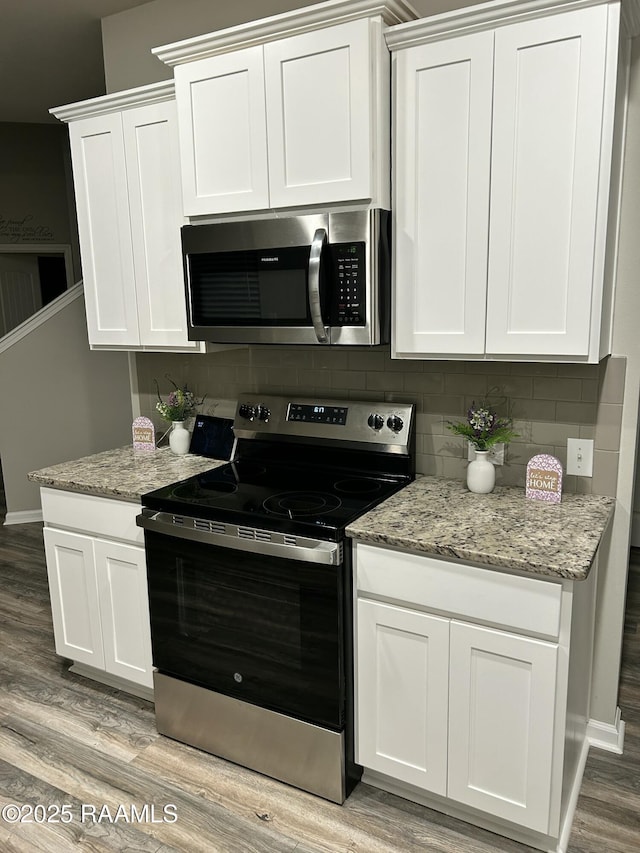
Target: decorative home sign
(144, 434)
(544, 478)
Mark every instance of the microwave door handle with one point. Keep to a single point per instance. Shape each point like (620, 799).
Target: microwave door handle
(315, 255)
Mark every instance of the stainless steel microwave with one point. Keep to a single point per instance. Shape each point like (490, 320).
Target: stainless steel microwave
(315, 279)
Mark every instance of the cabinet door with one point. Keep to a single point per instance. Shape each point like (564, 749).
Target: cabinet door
(223, 143)
(402, 684)
(320, 115)
(100, 177)
(547, 136)
(501, 723)
(124, 607)
(155, 203)
(442, 153)
(74, 597)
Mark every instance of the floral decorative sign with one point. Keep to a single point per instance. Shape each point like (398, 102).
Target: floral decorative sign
(544, 478)
(144, 434)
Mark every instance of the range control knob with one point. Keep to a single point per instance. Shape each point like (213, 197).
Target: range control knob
(247, 411)
(395, 423)
(375, 421)
(263, 413)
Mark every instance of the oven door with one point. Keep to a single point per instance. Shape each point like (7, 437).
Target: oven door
(257, 626)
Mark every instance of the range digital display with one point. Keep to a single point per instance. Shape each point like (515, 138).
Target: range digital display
(317, 414)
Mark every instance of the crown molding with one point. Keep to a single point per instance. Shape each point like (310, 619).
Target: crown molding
(297, 21)
(484, 16)
(151, 94)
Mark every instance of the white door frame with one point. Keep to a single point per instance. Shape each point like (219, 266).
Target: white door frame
(42, 249)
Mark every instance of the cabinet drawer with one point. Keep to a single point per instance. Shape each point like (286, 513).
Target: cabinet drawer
(101, 516)
(523, 604)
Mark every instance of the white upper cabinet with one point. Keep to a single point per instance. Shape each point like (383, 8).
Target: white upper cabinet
(320, 115)
(223, 133)
(287, 112)
(503, 141)
(153, 183)
(126, 173)
(441, 195)
(549, 147)
(102, 205)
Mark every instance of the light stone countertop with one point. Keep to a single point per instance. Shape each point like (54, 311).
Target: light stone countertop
(432, 515)
(501, 530)
(124, 473)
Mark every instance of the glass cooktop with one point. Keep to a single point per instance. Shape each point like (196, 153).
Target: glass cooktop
(275, 496)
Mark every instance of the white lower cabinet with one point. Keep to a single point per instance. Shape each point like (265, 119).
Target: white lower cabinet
(98, 589)
(403, 680)
(124, 610)
(73, 586)
(502, 691)
(465, 697)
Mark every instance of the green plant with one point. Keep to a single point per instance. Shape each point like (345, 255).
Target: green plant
(179, 405)
(484, 427)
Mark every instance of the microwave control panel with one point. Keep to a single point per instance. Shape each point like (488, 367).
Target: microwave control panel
(348, 299)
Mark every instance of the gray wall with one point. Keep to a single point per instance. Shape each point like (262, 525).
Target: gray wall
(35, 188)
(128, 36)
(60, 401)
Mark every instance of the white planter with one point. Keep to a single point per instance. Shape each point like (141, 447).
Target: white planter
(180, 438)
(481, 474)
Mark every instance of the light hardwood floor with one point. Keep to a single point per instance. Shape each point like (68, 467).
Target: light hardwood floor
(65, 740)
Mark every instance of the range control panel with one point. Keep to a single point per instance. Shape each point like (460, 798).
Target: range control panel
(317, 413)
(382, 426)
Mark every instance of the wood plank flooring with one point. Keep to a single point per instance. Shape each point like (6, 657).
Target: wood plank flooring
(65, 740)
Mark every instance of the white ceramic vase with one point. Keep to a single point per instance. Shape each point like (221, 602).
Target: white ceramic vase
(179, 438)
(481, 474)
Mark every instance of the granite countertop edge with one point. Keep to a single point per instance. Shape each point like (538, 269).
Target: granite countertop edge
(503, 530)
(93, 491)
(123, 473)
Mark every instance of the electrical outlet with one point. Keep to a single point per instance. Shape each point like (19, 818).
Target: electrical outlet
(580, 457)
(496, 454)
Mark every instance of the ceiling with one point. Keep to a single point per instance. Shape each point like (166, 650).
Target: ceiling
(51, 54)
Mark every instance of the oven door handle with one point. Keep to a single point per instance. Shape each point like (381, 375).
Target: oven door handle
(299, 548)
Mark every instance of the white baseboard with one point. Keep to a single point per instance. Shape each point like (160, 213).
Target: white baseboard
(25, 516)
(572, 802)
(459, 811)
(112, 680)
(609, 736)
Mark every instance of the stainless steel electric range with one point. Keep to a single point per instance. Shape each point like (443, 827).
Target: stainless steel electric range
(250, 585)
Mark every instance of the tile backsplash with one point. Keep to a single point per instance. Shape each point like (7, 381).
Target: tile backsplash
(548, 402)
